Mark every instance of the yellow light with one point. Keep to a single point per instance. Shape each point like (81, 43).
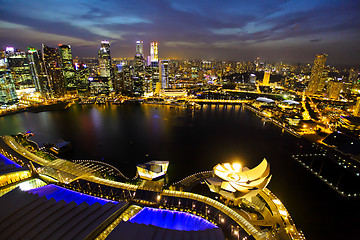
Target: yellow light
(276, 201)
(236, 166)
(227, 166)
(283, 212)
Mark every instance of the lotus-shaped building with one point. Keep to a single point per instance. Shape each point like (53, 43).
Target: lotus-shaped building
(234, 182)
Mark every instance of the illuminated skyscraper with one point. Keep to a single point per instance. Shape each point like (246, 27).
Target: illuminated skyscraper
(353, 76)
(357, 108)
(67, 66)
(7, 86)
(52, 62)
(139, 49)
(138, 70)
(37, 70)
(266, 79)
(82, 78)
(317, 74)
(20, 70)
(164, 73)
(104, 59)
(154, 57)
(334, 89)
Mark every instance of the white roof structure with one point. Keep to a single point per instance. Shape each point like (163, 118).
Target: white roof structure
(264, 99)
(152, 169)
(290, 102)
(232, 181)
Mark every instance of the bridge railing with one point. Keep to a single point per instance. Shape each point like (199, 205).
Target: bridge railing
(249, 228)
(195, 175)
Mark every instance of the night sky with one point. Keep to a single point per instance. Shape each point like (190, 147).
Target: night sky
(274, 30)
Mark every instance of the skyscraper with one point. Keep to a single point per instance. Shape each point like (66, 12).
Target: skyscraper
(334, 89)
(139, 49)
(154, 65)
(266, 79)
(138, 70)
(353, 76)
(154, 52)
(37, 70)
(317, 74)
(104, 59)
(357, 108)
(67, 66)
(7, 86)
(52, 62)
(20, 70)
(164, 73)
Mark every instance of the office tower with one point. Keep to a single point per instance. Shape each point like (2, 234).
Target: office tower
(154, 64)
(104, 59)
(334, 89)
(127, 80)
(138, 70)
(20, 70)
(357, 108)
(252, 78)
(154, 56)
(7, 86)
(317, 75)
(353, 76)
(164, 73)
(67, 66)
(139, 49)
(266, 79)
(201, 75)
(105, 62)
(82, 75)
(52, 63)
(37, 70)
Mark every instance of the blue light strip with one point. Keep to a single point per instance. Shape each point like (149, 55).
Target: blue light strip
(60, 193)
(171, 220)
(7, 161)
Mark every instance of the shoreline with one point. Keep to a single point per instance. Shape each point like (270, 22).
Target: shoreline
(39, 108)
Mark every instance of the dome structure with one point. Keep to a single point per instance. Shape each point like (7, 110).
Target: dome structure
(232, 181)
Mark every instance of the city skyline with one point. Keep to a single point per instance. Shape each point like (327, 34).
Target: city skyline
(286, 31)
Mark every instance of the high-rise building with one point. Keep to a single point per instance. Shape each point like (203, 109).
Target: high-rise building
(164, 73)
(52, 62)
(252, 78)
(334, 89)
(7, 86)
(154, 56)
(37, 70)
(357, 108)
(105, 62)
(266, 79)
(82, 78)
(67, 66)
(317, 74)
(139, 49)
(353, 76)
(138, 70)
(20, 70)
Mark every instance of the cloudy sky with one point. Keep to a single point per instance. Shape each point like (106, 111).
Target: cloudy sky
(286, 30)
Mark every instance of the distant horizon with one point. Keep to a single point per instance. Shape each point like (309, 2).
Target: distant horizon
(184, 58)
(279, 30)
